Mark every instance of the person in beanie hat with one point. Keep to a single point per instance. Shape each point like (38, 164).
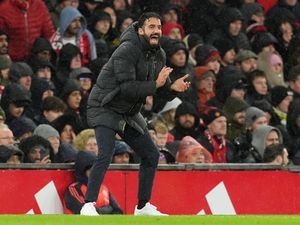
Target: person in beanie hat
(104, 204)
(191, 151)
(208, 55)
(235, 111)
(22, 127)
(214, 137)
(254, 118)
(263, 42)
(173, 30)
(253, 13)
(187, 121)
(122, 153)
(21, 73)
(246, 61)
(192, 41)
(227, 51)
(11, 154)
(281, 97)
(205, 83)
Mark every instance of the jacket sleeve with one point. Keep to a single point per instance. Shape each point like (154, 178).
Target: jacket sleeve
(74, 200)
(130, 88)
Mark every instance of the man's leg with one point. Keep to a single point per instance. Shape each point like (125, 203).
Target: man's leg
(143, 145)
(106, 141)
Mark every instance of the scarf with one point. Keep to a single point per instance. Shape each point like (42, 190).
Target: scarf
(219, 147)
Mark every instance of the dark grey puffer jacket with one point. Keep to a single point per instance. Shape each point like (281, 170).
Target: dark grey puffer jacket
(124, 83)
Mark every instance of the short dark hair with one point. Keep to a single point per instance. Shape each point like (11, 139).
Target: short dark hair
(53, 103)
(294, 73)
(146, 16)
(272, 151)
(256, 73)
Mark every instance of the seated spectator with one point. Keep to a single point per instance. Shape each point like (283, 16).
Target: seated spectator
(214, 137)
(255, 118)
(165, 156)
(192, 41)
(41, 50)
(21, 73)
(263, 42)
(209, 56)
(5, 63)
(276, 154)
(22, 128)
(36, 150)
(173, 30)
(227, 51)
(86, 141)
(162, 135)
(191, 151)
(6, 135)
(294, 80)
(60, 152)
(75, 193)
(11, 154)
(246, 61)
(122, 153)
(2, 116)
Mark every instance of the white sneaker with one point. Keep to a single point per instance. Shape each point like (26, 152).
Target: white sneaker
(88, 209)
(148, 210)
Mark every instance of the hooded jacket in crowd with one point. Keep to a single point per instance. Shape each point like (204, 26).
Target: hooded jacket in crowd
(74, 194)
(294, 129)
(124, 83)
(180, 132)
(24, 22)
(84, 39)
(281, 4)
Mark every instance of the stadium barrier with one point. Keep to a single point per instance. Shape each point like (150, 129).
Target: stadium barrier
(218, 189)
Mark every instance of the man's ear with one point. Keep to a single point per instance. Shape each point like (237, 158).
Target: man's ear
(140, 31)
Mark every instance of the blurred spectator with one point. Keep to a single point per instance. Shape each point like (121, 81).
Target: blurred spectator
(60, 152)
(2, 116)
(214, 137)
(255, 118)
(36, 150)
(227, 51)
(6, 135)
(122, 153)
(208, 55)
(192, 41)
(246, 61)
(235, 112)
(263, 42)
(72, 29)
(253, 13)
(186, 122)
(124, 20)
(22, 127)
(294, 80)
(88, 7)
(165, 156)
(86, 141)
(36, 22)
(3, 43)
(162, 134)
(21, 73)
(105, 203)
(173, 30)
(191, 151)
(5, 64)
(276, 154)
(11, 154)
(291, 5)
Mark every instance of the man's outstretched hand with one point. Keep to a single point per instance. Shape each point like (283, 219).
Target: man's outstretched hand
(180, 85)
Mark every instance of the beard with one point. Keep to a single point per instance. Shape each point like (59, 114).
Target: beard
(147, 40)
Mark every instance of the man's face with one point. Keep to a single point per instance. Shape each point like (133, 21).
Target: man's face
(170, 16)
(6, 137)
(295, 85)
(3, 44)
(187, 120)
(74, 100)
(151, 31)
(74, 27)
(44, 55)
(229, 56)
(218, 126)
(36, 155)
(259, 122)
(239, 117)
(248, 65)
(121, 158)
(235, 27)
(179, 58)
(260, 85)
(102, 26)
(272, 138)
(25, 81)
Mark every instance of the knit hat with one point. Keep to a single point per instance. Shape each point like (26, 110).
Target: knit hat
(188, 145)
(167, 28)
(262, 40)
(121, 147)
(22, 125)
(5, 62)
(171, 105)
(46, 131)
(82, 72)
(278, 93)
(245, 54)
(252, 114)
(193, 40)
(70, 86)
(223, 46)
(234, 105)
(82, 138)
(275, 59)
(205, 54)
(211, 115)
(203, 72)
(18, 70)
(6, 151)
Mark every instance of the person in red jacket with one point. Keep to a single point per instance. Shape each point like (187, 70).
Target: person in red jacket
(24, 21)
(74, 194)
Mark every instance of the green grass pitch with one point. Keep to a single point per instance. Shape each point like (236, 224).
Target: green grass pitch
(143, 220)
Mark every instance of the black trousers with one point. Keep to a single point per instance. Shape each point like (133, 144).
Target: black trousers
(142, 144)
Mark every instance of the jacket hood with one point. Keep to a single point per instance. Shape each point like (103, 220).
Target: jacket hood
(84, 161)
(41, 44)
(67, 15)
(259, 137)
(130, 34)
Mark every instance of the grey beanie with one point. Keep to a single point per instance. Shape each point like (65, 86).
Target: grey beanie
(253, 113)
(45, 131)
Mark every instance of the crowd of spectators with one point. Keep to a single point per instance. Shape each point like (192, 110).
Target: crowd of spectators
(242, 57)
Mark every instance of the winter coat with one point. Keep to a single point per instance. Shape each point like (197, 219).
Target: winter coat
(23, 25)
(124, 83)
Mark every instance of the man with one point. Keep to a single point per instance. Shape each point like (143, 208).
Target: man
(276, 154)
(135, 70)
(6, 135)
(24, 21)
(3, 43)
(72, 29)
(246, 61)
